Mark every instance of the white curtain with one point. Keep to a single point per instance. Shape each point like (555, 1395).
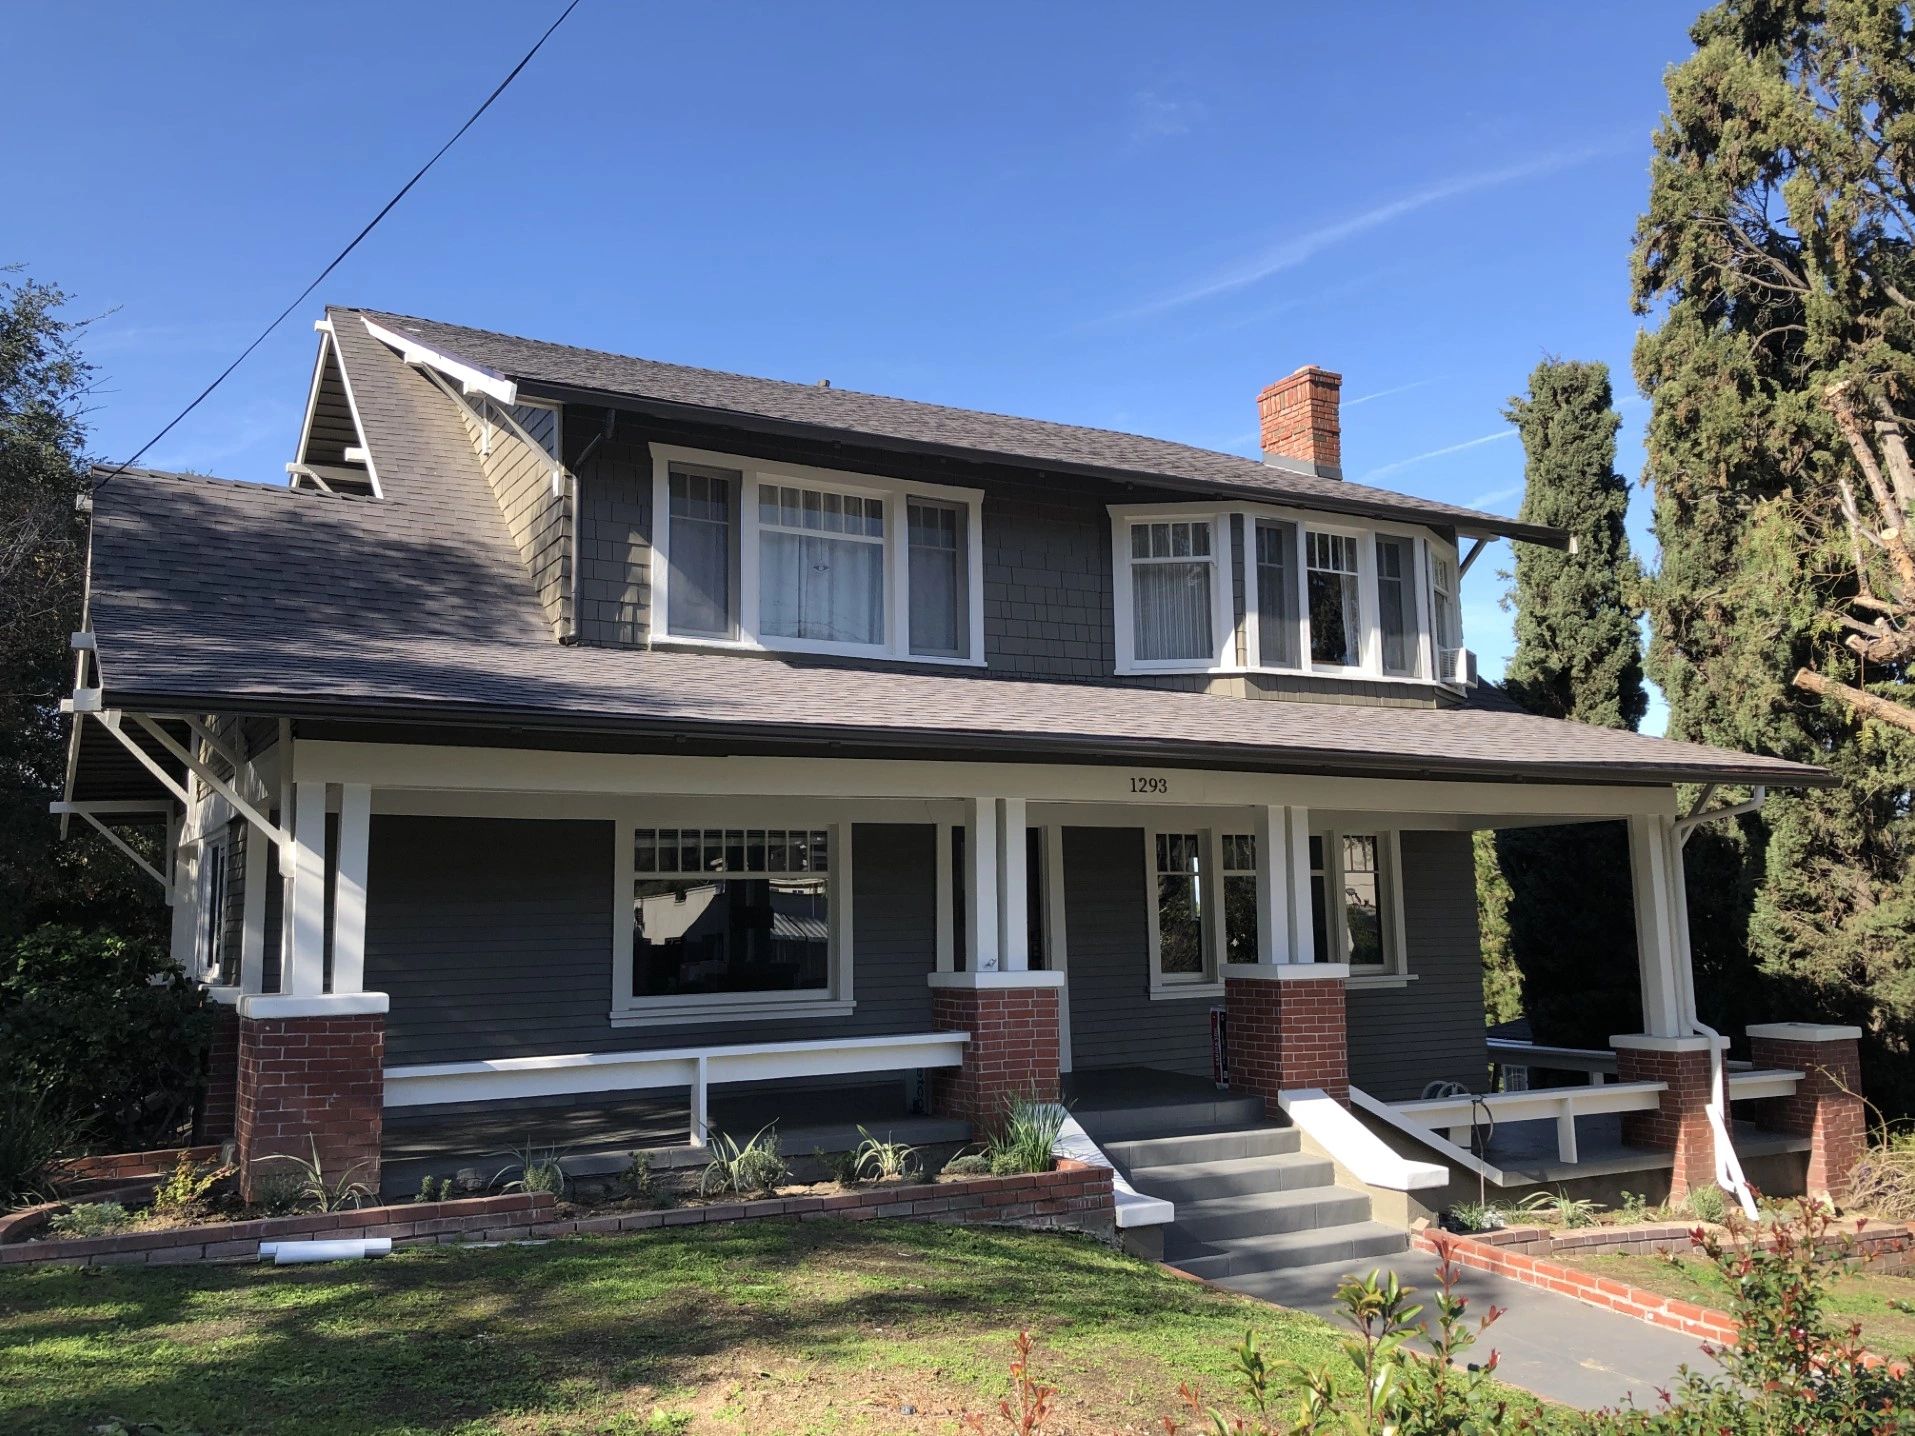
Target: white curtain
(825, 589)
(1172, 605)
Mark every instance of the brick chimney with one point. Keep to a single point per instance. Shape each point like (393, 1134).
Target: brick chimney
(1301, 428)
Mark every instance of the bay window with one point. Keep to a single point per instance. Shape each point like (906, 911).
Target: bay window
(1172, 583)
(1396, 604)
(1445, 625)
(1277, 626)
(752, 554)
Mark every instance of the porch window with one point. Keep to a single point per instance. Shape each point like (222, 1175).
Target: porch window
(1173, 586)
(1336, 616)
(729, 911)
(1353, 888)
(1240, 897)
(1180, 908)
(820, 565)
(701, 503)
(212, 905)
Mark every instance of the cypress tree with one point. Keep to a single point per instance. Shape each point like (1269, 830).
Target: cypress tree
(1570, 918)
(1775, 259)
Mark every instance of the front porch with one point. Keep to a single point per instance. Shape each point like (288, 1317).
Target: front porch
(600, 952)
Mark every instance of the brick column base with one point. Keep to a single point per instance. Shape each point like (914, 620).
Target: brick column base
(1827, 1106)
(220, 1107)
(1680, 1124)
(1013, 1051)
(311, 1074)
(1287, 1028)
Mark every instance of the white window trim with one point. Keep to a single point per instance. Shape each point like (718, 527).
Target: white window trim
(1208, 983)
(1394, 969)
(210, 935)
(1222, 623)
(1423, 542)
(897, 579)
(835, 999)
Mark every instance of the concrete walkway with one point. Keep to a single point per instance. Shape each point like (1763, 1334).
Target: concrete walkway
(1552, 1345)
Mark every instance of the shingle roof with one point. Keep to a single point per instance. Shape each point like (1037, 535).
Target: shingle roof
(212, 595)
(888, 421)
(232, 597)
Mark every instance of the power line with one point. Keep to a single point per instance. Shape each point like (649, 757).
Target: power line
(340, 257)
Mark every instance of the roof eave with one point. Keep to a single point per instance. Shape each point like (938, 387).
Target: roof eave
(1031, 746)
(794, 429)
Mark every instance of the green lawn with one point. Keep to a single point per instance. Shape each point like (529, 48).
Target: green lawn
(1866, 1297)
(756, 1327)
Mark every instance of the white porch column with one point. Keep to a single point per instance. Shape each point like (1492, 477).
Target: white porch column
(1013, 931)
(252, 936)
(349, 895)
(304, 957)
(1283, 884)
(980, 885)
(185, 902)
(1653, 867)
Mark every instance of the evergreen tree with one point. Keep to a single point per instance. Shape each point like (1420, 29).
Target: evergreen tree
(1570, 915)
(1775, 256)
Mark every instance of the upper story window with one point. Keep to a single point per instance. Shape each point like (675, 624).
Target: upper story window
(762, 555)
(1315, 596)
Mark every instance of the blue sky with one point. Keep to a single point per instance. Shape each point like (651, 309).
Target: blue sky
(1114, 215)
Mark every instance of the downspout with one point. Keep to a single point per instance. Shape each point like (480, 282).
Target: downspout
(1729, 1175)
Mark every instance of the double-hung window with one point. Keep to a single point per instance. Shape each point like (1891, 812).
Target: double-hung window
(212, 906)
(786, 557)
(1173, 591)
(1240, 897)
(1353, 901)
(1396, 604)
(1278, 632)
(1444, 621)
(820, 565)
(1178, 891)
(1334, 586)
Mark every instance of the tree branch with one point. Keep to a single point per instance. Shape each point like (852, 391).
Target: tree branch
(1866, 704)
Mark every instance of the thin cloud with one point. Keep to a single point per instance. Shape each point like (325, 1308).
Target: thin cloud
(1386, 393)
(1300, 248)
(1494, 496)
(1413, 459)
(1157, 116)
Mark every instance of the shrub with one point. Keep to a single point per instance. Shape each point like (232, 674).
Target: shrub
(1469, 1217)
(33, 1131)
(1027, 1138)
(840, 1167)
(92, 1219)
(185, 1188)
(1883, 1181)
(539, 1170)
(1706, 1204)
(753, 1169)
(433, 1189)
(313, 1186)
(968, 1164)
(1558, 1206)
(108, 1029)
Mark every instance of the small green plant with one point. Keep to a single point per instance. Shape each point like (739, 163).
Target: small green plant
(185, 1188)
(33, 1131)
(1635, 1207)
(1559, 1207)
(314, 1187)
(538, 1169)
(639, 1182)
(1706, 1204)
(876, 1161)
(275, 1194)
(840, 1167)
(1027, 1137)
(434, 1189)
(968, 1164)
(749, 1170)
(1467, 1217)
(92, 1219)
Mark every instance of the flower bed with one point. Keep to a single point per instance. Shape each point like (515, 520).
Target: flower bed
(1072, 1196)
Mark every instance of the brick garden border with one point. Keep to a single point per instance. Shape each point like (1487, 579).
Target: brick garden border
(1074, 1196)
(1602, 1291)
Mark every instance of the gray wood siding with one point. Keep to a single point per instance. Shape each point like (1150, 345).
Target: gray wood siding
(1047, 561)
(1404, 1037)
(539, 520)
(494, 938)
(1114, 1022)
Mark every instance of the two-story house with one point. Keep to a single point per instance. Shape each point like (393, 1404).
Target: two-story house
(579, 741)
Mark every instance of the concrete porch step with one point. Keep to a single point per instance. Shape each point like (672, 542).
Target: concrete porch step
(1250, 1140)
(1253, 1214)
(1197, 1181)
(1299, 1261)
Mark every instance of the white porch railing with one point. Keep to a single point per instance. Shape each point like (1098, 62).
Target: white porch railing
(1564, 1104)
(696, 1068)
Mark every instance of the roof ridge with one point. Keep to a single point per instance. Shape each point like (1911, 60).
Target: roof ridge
(140, 471)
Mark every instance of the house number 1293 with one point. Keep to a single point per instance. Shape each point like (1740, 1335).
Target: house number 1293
(1150, 785)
